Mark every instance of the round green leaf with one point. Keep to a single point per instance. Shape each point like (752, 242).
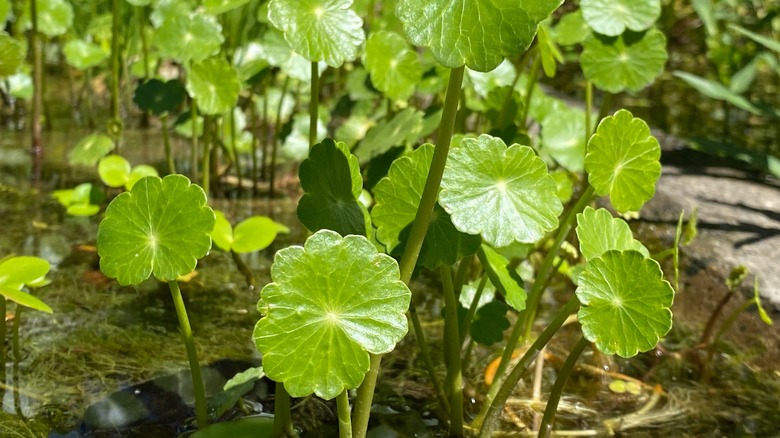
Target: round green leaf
(395, 69)
(16, 272)
(216, 7)
(55, 17)
(571, 29)
(625, 303)
(599, 232)
(279, 54)
(612, 17)
(25, 299)
(138, 172)
(215, 84)
(83, 210)
(563, 138)
(397, 197)
(320, 30)
(11, 54)
(332, 184)
(255, 233)
(90, 150)
(222, 234)
(83, 55)
(504, 194)
(160, 227)
(476, 33)
(623, 161)
(628, 62)
(186, 38)
(331, 303)
(159, 97)
(114, 170)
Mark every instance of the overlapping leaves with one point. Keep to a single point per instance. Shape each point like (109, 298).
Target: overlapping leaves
(332, 302)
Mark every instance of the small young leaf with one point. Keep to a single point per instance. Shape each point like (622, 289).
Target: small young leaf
(160, 227)
(138, 172)
(627, 62)
(331, 303)
(395, 69)
(599, 232)
(320, 30)
(83, 55)
(504, 194)
(762, 313)
(397, 198)
(625, 303)
(114, 170)
(90, 150)
(613, 17)
(255, 233)
(55, 17)
(25, 299)
(222, 234)
(332, 184)
(477, 34)
(215, 84)
(16, 272)
(508, 282)
(489, 323)
(571, 29)
(623, 161)
(11, 55)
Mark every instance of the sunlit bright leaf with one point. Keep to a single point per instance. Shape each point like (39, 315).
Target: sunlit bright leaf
(503, 277)
(83, 55)
(55, 17)
(331, 303)
(599, 232)
(161, 227)
(215, 84)
(189, 37)
(17, 272)
(504, 194)
(397, 197)
(625, 303)
(474, 33)
(630, 61)
(320, 30)
(114, 170)
(216, 7)
(395, 69)
(623, 161)
(563, 138)
(278, 53)
(613, 17)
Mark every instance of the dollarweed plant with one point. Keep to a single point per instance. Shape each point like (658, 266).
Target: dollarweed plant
(427, 147)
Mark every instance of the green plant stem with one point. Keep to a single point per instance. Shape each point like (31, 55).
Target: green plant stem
(314, 103)
(282, 418)
(192, 355)
(37, 103)
(276, 139)
(17, 352)
(606, 104)
(461, 273)
(525, 321)
(545, 429)
(473, 308)
(234, 149)
(452, 344)
(194, 144)
(731, 319)
(206, 165)
(493, 408)
(244, 269)
(427, 360)
(504, 115)
(416, 236)
(345, 422)
(588, 109)
(167, 143)
(142, 36)
(116, 6)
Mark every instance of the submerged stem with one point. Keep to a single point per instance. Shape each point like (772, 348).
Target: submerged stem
(545, 429)
(492, 408)
(167, 143)
(192, 355)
